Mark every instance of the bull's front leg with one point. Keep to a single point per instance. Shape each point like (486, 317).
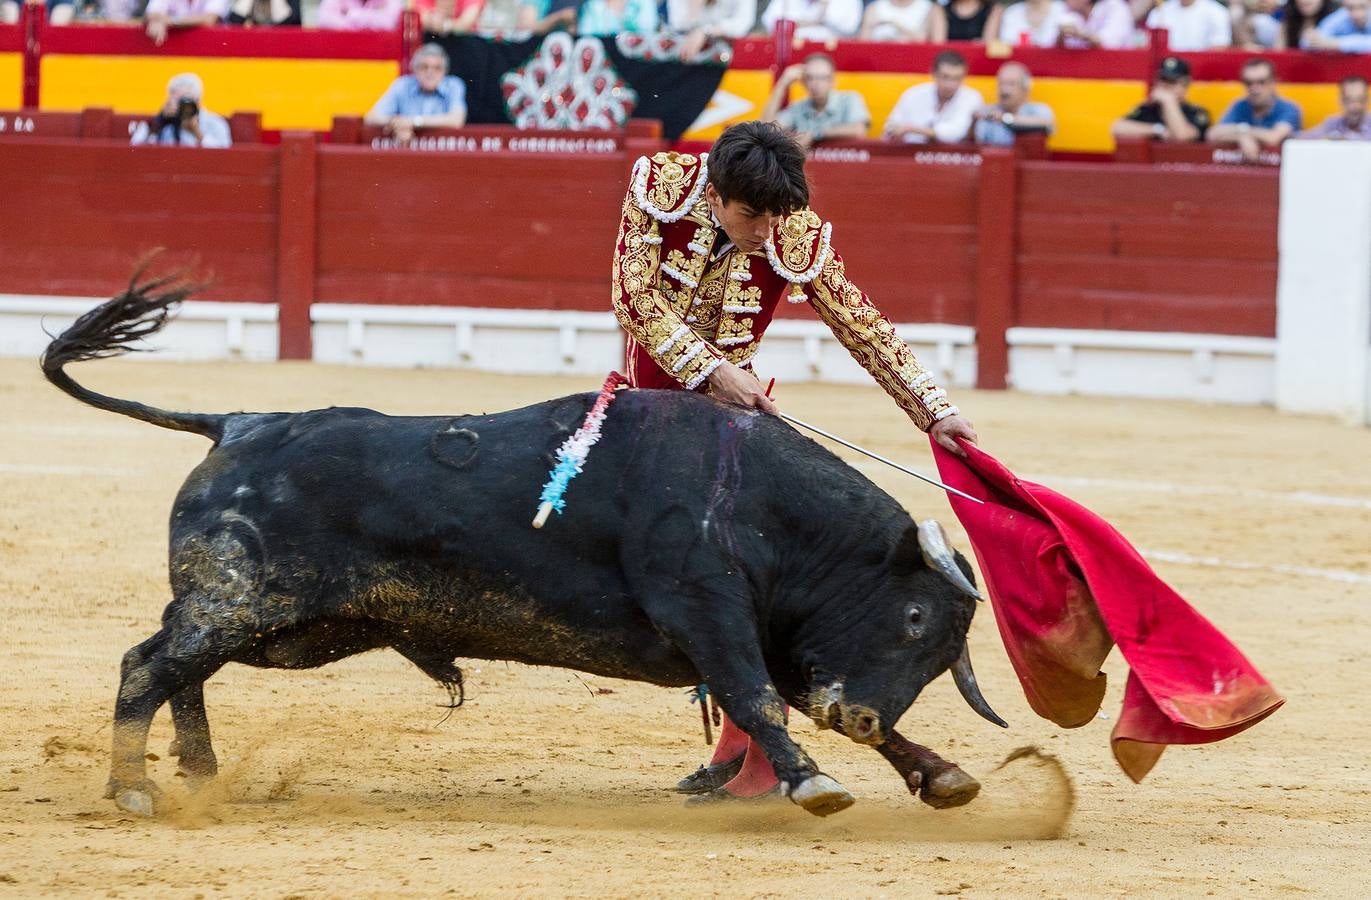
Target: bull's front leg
(730, 662)
(936, 781)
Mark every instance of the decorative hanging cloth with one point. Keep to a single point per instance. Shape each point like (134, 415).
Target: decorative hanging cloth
(1066, 587)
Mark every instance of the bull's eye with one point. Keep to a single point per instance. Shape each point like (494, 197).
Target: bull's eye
(914, 617)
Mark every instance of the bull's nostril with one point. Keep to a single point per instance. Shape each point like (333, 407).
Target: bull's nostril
(866, 725)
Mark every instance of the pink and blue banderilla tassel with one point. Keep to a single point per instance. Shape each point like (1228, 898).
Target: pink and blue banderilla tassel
(571, 456)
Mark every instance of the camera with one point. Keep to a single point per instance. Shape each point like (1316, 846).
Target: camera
(186, 109)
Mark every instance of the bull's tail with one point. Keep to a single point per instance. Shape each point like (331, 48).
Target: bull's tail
(110, 330)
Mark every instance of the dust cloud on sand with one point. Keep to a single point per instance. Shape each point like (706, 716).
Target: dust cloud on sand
(341, 781)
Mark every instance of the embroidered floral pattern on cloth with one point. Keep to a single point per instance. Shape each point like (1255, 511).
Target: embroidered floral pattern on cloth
(686, 314)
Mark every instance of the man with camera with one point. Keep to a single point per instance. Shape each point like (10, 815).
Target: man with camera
(181, 122)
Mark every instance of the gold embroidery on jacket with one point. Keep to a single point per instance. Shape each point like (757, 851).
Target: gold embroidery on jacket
(672, 180)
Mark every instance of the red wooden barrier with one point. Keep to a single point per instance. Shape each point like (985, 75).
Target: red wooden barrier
(85, 210)
(1167, 152)
(984, 239)
(1143, 248)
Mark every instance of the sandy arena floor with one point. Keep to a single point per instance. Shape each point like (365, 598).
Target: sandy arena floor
(343, 781)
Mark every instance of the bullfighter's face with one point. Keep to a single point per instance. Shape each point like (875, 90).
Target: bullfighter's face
(863, 675)
(749, 229)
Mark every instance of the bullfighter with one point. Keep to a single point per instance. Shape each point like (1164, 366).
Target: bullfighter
(708, 247)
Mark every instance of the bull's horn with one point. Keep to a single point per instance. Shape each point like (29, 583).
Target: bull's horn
(938, 555)
(971, 692)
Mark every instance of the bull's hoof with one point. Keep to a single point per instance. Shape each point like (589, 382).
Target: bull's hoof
(139, 803)
(140, 798)
(822, 796)
(949, 788)
(708, 778)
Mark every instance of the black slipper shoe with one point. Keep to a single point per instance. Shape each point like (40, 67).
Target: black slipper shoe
(719, 795)
(709, 778)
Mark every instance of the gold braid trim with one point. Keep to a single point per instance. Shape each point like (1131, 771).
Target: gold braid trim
(644, 312)
(871, 339)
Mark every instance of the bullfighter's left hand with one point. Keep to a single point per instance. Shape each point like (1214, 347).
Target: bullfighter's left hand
(946, 431)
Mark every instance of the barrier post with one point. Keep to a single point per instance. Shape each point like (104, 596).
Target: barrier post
(995, 276)
(34, 16)
(411, 34)
(296, 243)
(1323, 292)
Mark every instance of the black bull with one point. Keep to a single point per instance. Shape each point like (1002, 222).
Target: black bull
(703, 543)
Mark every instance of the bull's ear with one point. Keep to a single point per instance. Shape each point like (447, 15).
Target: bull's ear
(906, 557)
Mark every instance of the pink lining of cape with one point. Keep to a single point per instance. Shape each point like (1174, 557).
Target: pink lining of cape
(1066, 587)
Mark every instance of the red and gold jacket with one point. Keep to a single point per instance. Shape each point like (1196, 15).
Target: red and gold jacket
(686, 315)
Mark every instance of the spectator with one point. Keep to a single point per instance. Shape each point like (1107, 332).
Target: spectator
(1034, 23)
(909, 21)
(1347, 30)
(971, 20)
(60, 12)
(607, 18)
(429, 98)
(1102, 25)
(1255, 26)
(9, 12)
(542, 16)
(1165, 115)
(1193, 24)
(1352, 124)
(181, 121)
(449, 16)
(816, 20)
(825, 114)
(163, 15)
(499, 16)
(937, 110)
(999, 123)
(1262, 118)
(1302, 18)
(264, 12)
(701, 22)
(360, 15)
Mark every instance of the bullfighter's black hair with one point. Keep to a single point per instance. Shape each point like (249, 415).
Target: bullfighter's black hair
(760, 166)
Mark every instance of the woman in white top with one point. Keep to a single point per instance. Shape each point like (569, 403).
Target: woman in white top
(1041, 20)
(703, 21)
(913, 21)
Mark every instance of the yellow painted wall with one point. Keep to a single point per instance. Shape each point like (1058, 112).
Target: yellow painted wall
(11, 80)
(752, 85)
(307, 93)
(290, 93)
(1318, 101)
(1085, 108)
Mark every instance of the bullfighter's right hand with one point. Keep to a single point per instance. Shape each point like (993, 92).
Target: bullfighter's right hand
(733, 385)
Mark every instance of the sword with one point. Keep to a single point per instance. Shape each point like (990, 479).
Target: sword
(876, 456)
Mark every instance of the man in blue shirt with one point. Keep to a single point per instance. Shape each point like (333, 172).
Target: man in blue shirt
(429, 98)
(999, 123)
(1347, 30)
(1262, 119)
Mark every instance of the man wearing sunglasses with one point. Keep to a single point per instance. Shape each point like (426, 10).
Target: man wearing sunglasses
(1261, 120)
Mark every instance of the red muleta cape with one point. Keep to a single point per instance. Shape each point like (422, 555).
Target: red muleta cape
(1066, 587)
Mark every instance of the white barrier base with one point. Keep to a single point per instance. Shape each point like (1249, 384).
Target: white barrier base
(1217, 368)
(1161, 366)
(200, 330)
